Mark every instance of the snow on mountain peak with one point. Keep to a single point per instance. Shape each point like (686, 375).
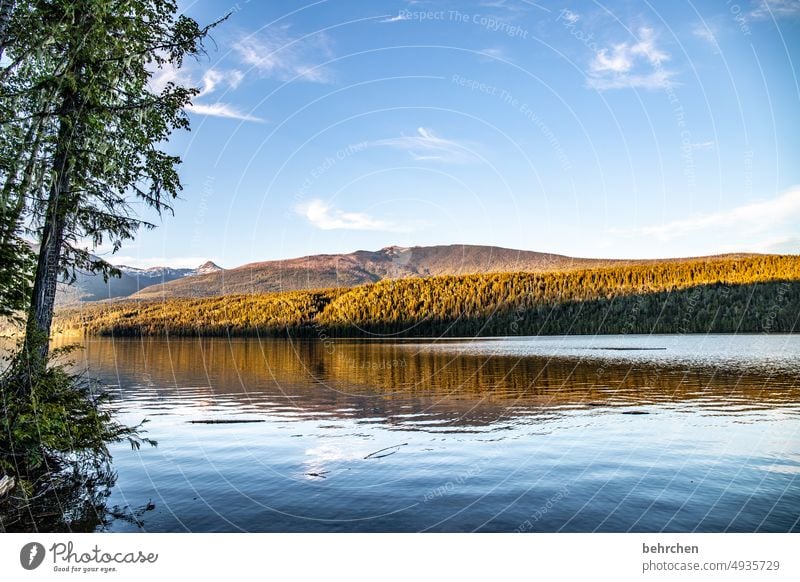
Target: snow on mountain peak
(207, 267)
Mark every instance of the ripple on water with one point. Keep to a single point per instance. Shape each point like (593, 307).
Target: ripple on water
(613, 434)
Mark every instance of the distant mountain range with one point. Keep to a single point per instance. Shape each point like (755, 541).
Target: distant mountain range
(90, 287)
(325, 271)
(753, 294)
(360, 267)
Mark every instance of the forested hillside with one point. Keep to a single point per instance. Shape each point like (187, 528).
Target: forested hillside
(751, 294)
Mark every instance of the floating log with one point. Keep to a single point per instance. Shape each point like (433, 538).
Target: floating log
(232, 421)
(630, 349)
(393, 450)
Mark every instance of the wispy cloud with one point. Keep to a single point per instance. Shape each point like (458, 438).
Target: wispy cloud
(768, 9)
(630, 65)
(222, 110)
(757, 216)
(276, 53)
(426, 145)
(325, 217)
(510, 8)
(621, 57)
(166, 74)
(401, 16)
(493, 53)
(707, 33)
(212, 79)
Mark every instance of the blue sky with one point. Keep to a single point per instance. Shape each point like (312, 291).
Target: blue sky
(619, 129)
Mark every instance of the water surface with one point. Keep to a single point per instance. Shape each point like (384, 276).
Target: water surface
(609, 433)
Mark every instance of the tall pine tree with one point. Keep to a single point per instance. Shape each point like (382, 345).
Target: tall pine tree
(83, 70)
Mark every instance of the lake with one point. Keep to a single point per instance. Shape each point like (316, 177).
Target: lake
(578, 434)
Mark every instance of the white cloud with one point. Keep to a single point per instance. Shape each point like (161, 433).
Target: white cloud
(211, 80)
(619, 61)
(768, 9)
(510, 8)
(275, 53)
(646, 47)
(757, 216)
(426, 145)
(168, 74)
(325, 217)
(630, 65)
(401, 16)
(221, 110)
(493, 53)
(705, 32)
(213, 77)
(621, 57)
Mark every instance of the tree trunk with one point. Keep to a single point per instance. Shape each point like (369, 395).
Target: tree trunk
(40, 314)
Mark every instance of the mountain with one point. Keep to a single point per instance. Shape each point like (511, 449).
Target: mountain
(206, 268)
(754, 294)
(91, 287)
(327, 271)
(360, 267)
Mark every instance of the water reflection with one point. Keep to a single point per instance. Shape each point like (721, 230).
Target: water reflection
(73, 500)
(456, 436)
(366, 379)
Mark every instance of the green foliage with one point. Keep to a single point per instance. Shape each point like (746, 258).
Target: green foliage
(77, 86)
(757, 293)
(17, 262)
(83, 136)
(84, 131)
(74, 500)
(54, 433)
(55, 419)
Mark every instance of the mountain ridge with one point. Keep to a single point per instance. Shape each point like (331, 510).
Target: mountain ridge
(91, 286)
(362, 267)
(330, 270)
